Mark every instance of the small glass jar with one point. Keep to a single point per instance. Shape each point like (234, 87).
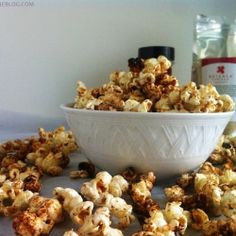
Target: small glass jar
(231, 53)
(156, 51)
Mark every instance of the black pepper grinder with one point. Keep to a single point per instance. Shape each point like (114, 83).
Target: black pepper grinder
(156, 51)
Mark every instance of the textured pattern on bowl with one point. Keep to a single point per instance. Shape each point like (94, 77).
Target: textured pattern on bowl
(166, 143)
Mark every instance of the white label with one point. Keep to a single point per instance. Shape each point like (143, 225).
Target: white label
(221, 72)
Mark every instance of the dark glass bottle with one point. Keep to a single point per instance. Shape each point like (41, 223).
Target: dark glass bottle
(156, 51)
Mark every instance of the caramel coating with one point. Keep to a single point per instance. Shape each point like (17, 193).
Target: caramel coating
(148, 87)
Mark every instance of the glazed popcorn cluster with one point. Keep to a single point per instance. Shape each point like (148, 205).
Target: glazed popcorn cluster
(104, 200)
(50, 153)
(148, 87)
(22, 164)
(210, 193)
(203, 200)
(39, 218)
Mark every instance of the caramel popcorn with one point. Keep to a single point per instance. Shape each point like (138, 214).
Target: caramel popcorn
(118, 186)
(172, 220)
(96, 224)
(13, 197)
(174, 193)
(176, 217)
(81, 212)
(39, 219)
(49, 163)
(93, 189)
(2, 179)
(100, 190)
(15, 149)
(156, 221)
(20, 179)
(140, 193)
(219, 227)
(198, 218)
(73, 204)
(225, 151)
(70, 233)
(148, 87)
(50, 151)
(193, 201)
(56, 140)
(20, 203)
(75, 174)
(210, 191)
(228, 203)
(10, 189)
(104, 183)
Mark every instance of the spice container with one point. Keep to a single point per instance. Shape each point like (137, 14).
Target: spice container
(214, 57)
(155, 51)
(231, 52)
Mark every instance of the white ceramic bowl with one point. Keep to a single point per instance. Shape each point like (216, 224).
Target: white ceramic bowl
(166, 143)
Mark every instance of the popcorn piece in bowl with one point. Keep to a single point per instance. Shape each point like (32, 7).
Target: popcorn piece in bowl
(84, 95)
(176, 136)
(133, 105)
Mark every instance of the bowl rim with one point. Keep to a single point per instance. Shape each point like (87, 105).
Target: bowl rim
(68, 107)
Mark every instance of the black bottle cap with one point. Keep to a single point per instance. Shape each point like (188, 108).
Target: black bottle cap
(155, 51)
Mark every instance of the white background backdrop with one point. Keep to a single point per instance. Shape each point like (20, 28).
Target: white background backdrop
(46, 47)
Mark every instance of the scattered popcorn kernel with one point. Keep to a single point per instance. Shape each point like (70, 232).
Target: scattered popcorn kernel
(51, 150)
(199, 218)
(100, 190)
(176, 217)
(73, 204)
(118, 186)
(228, 204)
(219, 227)
(140, 193)
(174, 193)
(39, 219)
(99, 224)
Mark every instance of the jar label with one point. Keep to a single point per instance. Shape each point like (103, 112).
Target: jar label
(221, 72)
